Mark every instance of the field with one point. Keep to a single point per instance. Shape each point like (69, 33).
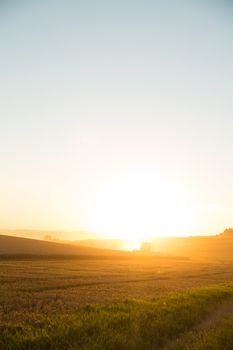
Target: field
(128, 302)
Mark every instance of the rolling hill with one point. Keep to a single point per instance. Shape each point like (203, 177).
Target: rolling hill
(213, 247)
(10, 245)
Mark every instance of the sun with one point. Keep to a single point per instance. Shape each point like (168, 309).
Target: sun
(137, 208)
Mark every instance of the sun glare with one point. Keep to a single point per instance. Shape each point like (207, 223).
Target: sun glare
(138, 208)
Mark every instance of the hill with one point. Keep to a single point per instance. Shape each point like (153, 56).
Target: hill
(10, 245)
(213, 247)
(112, 244)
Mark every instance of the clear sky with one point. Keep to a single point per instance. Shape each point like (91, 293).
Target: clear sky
(116, 116)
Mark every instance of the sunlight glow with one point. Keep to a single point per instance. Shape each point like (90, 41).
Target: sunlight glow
(139, 207)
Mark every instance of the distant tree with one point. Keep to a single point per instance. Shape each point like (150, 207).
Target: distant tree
(48, 238)
(228, 232)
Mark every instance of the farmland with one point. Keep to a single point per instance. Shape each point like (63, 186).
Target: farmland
(40, 294)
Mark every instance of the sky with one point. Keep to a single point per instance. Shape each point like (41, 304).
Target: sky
(116, 117)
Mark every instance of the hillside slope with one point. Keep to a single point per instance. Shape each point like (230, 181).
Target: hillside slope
(16, 245)
(217, 247)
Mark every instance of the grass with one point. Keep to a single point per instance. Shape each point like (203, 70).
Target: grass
(131, 324)
(114, 303)
(219, 338)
